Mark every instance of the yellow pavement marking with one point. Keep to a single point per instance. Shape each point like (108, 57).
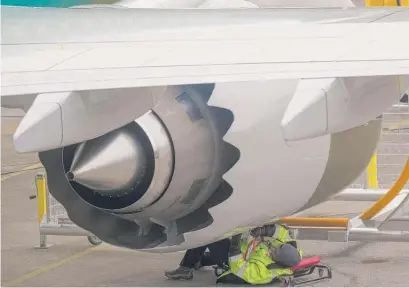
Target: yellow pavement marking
(50, 267)
(25, 169)
(397, 125)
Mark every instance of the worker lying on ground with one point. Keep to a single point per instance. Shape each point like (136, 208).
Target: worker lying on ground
(196, 258)
(261, 256)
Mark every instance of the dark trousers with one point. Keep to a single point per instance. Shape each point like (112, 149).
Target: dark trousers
(218, 255)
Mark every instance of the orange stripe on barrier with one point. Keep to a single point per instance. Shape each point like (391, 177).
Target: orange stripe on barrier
(315, 222)
(389, 196)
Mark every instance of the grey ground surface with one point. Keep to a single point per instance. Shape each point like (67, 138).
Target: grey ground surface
(72, 261)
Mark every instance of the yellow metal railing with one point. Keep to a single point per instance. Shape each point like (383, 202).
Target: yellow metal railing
(368, 214)
(389, 196)
(374, 3)
(315, 222)
(372, 173)
(41, 196)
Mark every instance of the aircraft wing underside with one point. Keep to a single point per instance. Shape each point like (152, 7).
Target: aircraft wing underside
(48, 50)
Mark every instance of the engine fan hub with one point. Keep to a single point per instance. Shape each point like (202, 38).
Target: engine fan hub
(110, 164)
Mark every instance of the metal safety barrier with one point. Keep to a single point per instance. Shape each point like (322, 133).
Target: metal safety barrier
(53, 218)
(392, 151)
(388, 218)
(381, 173)
(391, 224)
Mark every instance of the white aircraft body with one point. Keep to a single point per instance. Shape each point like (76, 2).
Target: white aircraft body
(166, 129)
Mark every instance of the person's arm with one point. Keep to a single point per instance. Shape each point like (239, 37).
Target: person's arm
(257, 270)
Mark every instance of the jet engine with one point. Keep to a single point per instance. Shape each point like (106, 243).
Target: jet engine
(128, 170)
(157, 170)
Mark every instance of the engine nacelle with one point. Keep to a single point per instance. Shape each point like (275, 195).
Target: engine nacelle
(160, 181)
(156, 170)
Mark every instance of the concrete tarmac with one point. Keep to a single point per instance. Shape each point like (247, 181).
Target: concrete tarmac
(72, 261)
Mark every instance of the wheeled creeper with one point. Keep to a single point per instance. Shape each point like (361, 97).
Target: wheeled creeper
(305, 268)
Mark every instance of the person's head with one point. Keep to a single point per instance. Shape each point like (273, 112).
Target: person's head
(285, 255)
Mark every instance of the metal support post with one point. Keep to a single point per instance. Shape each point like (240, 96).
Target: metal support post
(42, 207)
(365, 178)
